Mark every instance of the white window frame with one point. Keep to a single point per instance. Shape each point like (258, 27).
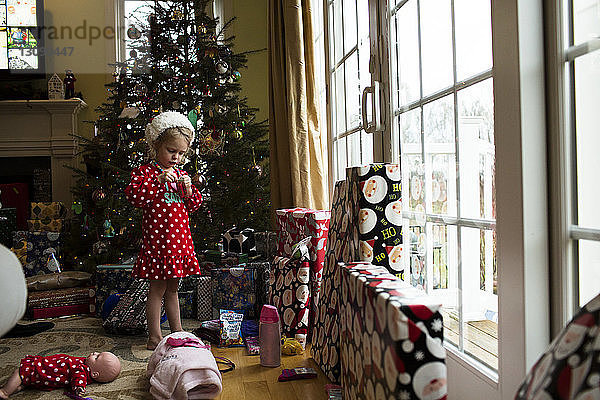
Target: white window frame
(521, 197)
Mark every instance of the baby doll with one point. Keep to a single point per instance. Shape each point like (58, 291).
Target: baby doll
(62, 370)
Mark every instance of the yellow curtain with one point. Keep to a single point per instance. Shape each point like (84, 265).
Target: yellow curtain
(298, 157)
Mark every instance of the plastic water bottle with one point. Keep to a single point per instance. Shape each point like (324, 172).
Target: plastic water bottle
(269, 336)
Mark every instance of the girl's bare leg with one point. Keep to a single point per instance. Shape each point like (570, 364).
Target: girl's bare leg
(153, 308)
(11, 386)
(172, 305)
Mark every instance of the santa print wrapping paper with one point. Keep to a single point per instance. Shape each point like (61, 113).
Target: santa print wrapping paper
(569, 369)
(39, 247)
(295, 224)
(290, 293)
(391, 337)
(342, 245)
(380, 216)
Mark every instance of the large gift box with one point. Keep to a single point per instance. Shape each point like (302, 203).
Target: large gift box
(16, 195)
(234, 288)
(61, 302)
(391, 337)
(380, 217)
(237, 240)
(45, 225)
(295, 224)
(39, 248)
(48, 210)
(342, 245)
(8, 224)
(111, 279)
(290, 293)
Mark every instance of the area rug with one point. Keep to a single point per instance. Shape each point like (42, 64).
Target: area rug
(79, 336)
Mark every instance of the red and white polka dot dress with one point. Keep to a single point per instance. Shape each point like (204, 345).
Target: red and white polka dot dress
(167, 249)
(52, 372)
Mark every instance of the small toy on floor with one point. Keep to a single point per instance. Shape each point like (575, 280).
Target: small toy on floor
(291, 347)
(297, 373)
(252, 345)
(334, 392)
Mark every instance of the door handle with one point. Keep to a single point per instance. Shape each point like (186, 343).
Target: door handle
(375, 125)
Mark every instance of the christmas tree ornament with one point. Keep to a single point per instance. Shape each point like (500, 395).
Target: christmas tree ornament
(177, 15)
(221, 67)
(220, 108)
(256, 170)
(176, 105)
(133, 53)
(181, 39)
(230, 79)
(199, 180)
(237, 133)
(236, 75)
(211, 52)
(77, 207)
(133, 33)
(129, 112)
(109, 231)
(202, 29)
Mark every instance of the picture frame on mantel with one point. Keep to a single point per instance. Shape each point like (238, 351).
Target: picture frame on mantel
(43, 128)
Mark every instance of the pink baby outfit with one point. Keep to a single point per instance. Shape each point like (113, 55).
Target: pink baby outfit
(167, 249)
(52, 372)
(182, 367)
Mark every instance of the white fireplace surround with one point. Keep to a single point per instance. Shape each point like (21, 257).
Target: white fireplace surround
(33, 128)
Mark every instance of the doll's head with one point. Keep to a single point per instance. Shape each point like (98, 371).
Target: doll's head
(104, 367)
(169, 128)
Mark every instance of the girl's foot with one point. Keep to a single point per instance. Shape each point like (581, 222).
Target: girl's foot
(152, 343)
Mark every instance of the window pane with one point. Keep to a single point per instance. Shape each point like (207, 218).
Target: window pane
(442, 244)
(340, 156)
(410, 131)
(354, 149)
(586, 20)
(418, 252)
(479, 303)
(589, 270)
(473, 37)
(441, 188)
(407, 40)
(587, 97)
(339, 105)
(367, 148)
(413, 173)
(436, 37)
(338, 40)
(349, 25)
(438, 123)
(352, 98)
(477, 153)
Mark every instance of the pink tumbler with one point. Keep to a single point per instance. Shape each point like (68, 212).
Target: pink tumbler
(269, 336)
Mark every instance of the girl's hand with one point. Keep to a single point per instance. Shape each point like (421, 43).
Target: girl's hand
(167, 176)
(187, 181)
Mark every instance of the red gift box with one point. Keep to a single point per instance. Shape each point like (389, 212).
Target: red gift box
(293, 225)
(16, 195)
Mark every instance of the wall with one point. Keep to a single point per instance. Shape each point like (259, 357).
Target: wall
(73, 30)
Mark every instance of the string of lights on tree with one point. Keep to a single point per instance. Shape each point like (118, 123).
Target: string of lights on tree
(178, 60)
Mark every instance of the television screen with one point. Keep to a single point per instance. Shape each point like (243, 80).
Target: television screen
(21, 44)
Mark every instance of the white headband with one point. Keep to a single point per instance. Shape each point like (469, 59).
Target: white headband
(166, 120)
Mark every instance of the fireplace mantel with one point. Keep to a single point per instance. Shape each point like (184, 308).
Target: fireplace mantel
(30, 128)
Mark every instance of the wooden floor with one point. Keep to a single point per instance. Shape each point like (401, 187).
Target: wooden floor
(251, 381)
(481, 338)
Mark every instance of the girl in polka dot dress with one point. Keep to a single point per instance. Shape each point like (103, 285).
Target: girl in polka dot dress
(62, 370)
(166, 195)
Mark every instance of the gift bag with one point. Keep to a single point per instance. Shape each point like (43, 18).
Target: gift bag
(129, 315)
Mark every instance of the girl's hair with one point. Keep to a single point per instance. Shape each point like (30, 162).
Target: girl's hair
(169, 134)
(165, 126)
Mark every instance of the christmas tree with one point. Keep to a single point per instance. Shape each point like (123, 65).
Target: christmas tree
(180, 61)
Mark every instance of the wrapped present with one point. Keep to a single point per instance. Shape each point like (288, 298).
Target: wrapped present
(237, 240)
(380, 217)
(294, 225)
(217, 258)
(290, 293)
(8, 225)
(129, 315)
(111, 279)
(51, 210)
(263, 290)
(16, 195)
(234, 288)
(188, 308)
(45, 225)
(266, 244)
(61, 302)
(20, 250)
(391, 336)
(40, 248)
(204, 298)
(342, 245)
